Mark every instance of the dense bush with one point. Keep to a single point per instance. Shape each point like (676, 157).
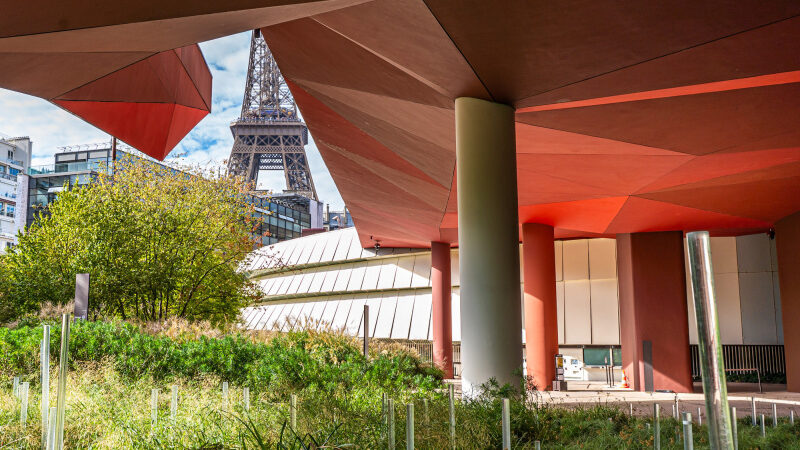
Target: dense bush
(321, 361)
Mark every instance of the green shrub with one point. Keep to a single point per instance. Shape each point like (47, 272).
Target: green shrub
(298, 360)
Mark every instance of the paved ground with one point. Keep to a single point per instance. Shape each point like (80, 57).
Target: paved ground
(740, 395)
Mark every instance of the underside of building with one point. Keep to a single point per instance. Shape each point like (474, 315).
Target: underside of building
(481, 126)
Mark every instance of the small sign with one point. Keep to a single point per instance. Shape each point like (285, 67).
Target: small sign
(82, 296)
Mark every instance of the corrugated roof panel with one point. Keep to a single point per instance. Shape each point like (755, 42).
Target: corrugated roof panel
(356, 317)
(422, 271)
(282, 251)
(342, 278)
(328, 283)
(422, 315)
(322, 240)
(274, 317)
(340, 319)
(383, 328)
(371, 275)
(330, 310)
(387, 270)
(355, 249)
(374, 302)
(344, 246)
(331, 243)
(311, 243)
(298, 251)
(357, 276)
(402, 315)
(316, 280)
(404, 272)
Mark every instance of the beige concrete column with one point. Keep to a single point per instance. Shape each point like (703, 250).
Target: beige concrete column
(787, 243)
(488, 235)
(442, 319)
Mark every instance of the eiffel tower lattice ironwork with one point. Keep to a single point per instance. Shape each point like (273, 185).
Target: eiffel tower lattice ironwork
(268, 135)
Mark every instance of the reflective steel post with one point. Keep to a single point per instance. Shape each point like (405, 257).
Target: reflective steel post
(712, 367)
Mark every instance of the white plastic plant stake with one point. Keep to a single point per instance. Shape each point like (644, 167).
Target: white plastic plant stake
(154, 406)
(390, 406)
(225, 394)
(246, 398)
(62, 382)
(452, 396)
(15, 387)
(734, 428)
(173, 404)
(774, 415)
(44, 362)
(52, 423)
(293, 411)
(23, 396)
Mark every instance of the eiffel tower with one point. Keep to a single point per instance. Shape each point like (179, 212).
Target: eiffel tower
(268, 135)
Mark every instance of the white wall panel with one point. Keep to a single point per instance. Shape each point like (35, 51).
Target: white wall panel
(298, 250)
(316, 312)
(422, 271)
(560, 311)
(275, 314)
(455, 305)
(276, 285)
(329, 280)
(331, 245)
(605, 312)
(383, 325)
(758, 308)
(304, 316)
(319, 247)
(297, 279)
(773, 252)
(312, 242)
(286, 319)
(402, 315)
(576, 259)
(284, 288)
(260, 319)
(578, 320)
(357, 276)
(776, 295)
(404, 273)
(422, 315)
(723, 255)
(455, 268)
(371, 275)
(266, 284)
(305, 283)
(559, 248)
(753, 252)
(388, 268)
(602, 259)
(729, 312)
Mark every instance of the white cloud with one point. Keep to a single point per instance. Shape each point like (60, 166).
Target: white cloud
(209, 143)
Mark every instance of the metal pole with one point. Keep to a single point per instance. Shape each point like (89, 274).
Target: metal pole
(61, 403)
(410, 426)
(44, 362)
(774, 415)
(366, 331)
(753, 401)
(699, 417)
(656, 427)
(712, 366)
(688, 441)
(791, 417)
(735, 428)
(506, 423)
(763, 430)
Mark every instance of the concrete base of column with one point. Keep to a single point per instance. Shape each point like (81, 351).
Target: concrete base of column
(787, 242)
(541, 316)
(652, 307)
(488, 236)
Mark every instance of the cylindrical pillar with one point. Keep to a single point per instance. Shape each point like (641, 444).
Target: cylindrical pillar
(541, 317)
(442, 313)
(787, 243)
(488, 236)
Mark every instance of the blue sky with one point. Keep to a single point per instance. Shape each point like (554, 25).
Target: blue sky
(209, 143)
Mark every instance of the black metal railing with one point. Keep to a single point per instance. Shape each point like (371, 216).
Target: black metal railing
(767, 359)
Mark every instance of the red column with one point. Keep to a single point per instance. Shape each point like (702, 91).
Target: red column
(787, 242)
(652, 307)
(541, 317)
(442, 315)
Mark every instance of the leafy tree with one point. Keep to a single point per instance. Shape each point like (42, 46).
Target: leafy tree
(157, 243)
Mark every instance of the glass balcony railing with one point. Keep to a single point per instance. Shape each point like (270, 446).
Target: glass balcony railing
(82, 166)
(8, 177)
(11, 161)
